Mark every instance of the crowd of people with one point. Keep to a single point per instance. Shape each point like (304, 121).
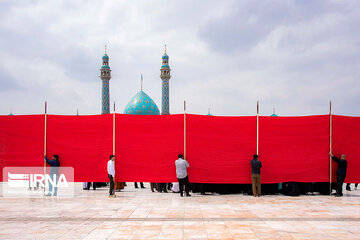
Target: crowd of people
(183, 185)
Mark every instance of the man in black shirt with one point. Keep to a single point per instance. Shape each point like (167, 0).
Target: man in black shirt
(341, 172)
(255, 175)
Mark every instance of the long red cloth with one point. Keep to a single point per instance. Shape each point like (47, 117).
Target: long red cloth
(346, 140)
(294, 149)
(147, 147)
(219, 149)
(21, 141)
(82, 142)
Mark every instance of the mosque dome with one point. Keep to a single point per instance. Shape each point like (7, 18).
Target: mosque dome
(105, 58)
(165, 56)
(141, 104)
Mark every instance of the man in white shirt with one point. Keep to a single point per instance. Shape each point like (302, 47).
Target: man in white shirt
(111, 174)
(181, 174)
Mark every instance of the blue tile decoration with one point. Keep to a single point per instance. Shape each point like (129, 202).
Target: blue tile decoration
(105, 75)
(141, 104)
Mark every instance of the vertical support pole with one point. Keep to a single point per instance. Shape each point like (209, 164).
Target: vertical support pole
(114, 125)
(45, 140)
(330, 148)
(184, 129)
(257, 128)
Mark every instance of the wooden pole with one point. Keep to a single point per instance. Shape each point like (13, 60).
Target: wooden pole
(184, 129)
(330, 147)
(257, 128)
(114, 125)
(45, 140)
(114, 117)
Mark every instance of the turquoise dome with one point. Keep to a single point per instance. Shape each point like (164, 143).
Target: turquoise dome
(165, 56)
(273, 115)
(141, 104)
(105, 57)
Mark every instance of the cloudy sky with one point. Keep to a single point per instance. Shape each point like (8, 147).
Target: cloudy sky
(290, 55)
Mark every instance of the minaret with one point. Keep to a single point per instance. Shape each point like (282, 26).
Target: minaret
(165, 77)
(105, 75)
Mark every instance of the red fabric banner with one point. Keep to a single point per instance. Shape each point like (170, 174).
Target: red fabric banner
(21, 141)
(219, 149)
(82, 142)
(346, 140)
(294, 149)
(147, 147)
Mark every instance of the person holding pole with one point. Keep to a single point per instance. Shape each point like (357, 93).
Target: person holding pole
(341, 172)
(111, 175)
(54, 173)
(182, 176)
(255, 175)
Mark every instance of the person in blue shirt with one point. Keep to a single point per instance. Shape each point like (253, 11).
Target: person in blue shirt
(54, 173)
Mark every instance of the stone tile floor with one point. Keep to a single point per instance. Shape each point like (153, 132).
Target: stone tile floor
(141, 214)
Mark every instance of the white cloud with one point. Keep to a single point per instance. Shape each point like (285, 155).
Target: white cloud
(224, 55)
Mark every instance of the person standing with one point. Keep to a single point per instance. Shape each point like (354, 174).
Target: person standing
(341, 173)
(111, 175)
(54, 173)
(182, 176)
(153, 187)
(162, 187)
(141, 185)
(255, 175)
(348, 186)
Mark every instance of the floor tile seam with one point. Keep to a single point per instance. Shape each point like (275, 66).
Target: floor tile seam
(92, 230)
(113, 231)
(137, 230)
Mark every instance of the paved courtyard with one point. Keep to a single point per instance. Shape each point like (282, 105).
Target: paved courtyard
(141, 214)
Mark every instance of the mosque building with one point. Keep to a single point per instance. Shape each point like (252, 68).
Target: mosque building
(141, 103)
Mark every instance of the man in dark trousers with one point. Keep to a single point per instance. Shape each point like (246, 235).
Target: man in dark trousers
(341, 172)
(255, 175)
(181, 174)
(111, 175)
(54, 173)
(141, 185)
